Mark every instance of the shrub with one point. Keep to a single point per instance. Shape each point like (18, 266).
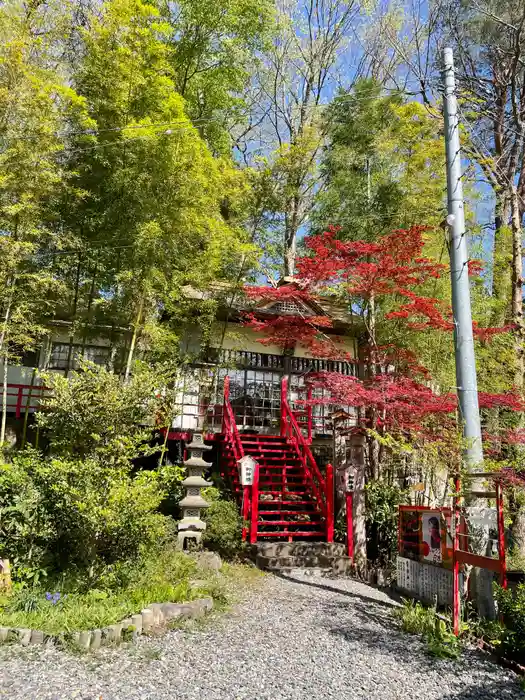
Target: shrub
(82, 506)
(511, 605)
(382, 501)
(25, 528)
(64, 513)
(94, 414)
(224, 524)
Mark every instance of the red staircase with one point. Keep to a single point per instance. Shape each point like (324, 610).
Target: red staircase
(289, 497)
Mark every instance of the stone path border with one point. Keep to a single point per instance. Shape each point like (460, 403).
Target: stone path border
(153, 617)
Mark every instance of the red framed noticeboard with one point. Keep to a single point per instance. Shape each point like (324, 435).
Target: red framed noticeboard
(425, 535)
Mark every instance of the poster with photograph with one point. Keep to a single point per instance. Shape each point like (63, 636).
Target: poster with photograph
(431, 537)
(425, 535)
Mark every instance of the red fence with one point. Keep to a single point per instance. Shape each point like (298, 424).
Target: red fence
(24, 397)
(461, 553)
(441, 537)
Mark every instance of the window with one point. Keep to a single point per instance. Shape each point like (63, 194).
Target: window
(60, 353)
(290, 307)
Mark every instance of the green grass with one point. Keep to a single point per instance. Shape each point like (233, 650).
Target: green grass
(439, 639)
(166, 577)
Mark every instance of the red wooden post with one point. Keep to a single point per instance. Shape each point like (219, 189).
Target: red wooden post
(329, 485)
(350, 524)
(245, 512)
(501, 536)
(455, 561)
(309, 414)
(226, 401)
(399, 547)
(19, 401)
(254, 505)
(284, 402)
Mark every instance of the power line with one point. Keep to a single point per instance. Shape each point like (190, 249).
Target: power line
(189, 123)
(185, 123)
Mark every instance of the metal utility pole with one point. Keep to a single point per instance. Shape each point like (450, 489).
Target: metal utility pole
(466, 381)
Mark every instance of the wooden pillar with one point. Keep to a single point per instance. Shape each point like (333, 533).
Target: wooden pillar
(357, 458)
(342, 468)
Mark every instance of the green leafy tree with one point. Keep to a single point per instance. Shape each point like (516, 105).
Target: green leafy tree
(35, 105)
(382, 166)
(215, 48)
(151, 187)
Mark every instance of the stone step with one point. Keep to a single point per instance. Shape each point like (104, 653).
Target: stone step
(304, 562)
(335, 565)
(312, 571)
(287, 533)
(291, 549)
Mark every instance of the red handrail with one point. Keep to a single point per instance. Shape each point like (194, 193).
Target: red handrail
(329, 503)
(349, 497)
(292, 432)
(254, 506)
(229, 425)
(250, 505)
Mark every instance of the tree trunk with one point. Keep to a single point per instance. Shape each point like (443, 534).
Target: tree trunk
(372, 417)
(518, 531)
(7, 315)
(517, 288)
(136, 327)
(4, 401)
(289, 250)
(502, 259)
(359, 502)
(517, 525)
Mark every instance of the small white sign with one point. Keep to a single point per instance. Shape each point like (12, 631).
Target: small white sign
(247, 470)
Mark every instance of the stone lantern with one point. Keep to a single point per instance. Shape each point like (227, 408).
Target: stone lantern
(191, 526)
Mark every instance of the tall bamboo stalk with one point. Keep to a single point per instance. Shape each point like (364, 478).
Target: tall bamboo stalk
(73, 315)
(136, 327)
(28, 405)
(4, 400)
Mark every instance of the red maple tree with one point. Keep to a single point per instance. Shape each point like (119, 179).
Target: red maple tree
(395, 388)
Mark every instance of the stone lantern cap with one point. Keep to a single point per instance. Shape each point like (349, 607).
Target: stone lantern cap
(193, 502)
(198, 443)
(198, 481)
(196, 462)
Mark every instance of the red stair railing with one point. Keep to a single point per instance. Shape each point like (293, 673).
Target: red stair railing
(250, 498)
(254, 506)
(229, 425)
(322, 488)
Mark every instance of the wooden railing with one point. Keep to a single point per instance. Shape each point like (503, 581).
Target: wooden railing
(322, 488)
(250, 497)
(229, 426)
(28, 397)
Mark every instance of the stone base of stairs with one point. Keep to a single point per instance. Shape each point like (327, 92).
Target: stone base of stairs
(314, 558)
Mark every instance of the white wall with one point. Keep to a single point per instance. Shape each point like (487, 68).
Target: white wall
(240, 337)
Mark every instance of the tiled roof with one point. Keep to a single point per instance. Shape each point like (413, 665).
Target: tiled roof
(236, 301)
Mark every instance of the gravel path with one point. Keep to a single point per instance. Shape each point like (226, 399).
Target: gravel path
(292, 639)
